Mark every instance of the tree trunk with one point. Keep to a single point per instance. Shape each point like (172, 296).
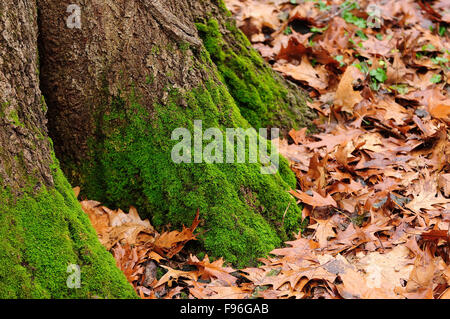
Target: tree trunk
(134, 72)
(42, 227)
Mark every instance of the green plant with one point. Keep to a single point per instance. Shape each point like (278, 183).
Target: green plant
(437, 78)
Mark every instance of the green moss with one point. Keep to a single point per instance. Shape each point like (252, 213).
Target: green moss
(184, 46)
(3, 107)
(149, 79)
(131, 165)
(223, 7)
(41, 235)
(12, 115)
(262, 99)
(43, 105)
(170, 48)
(155, 50)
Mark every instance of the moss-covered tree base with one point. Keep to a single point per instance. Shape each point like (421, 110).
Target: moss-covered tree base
(43, 229)
(41, 235)
(246, 213)
(132, 82)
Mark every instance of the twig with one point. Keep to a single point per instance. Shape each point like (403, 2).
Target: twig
(282, 222)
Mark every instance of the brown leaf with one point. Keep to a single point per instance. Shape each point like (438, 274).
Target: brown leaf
(76, 191)
(316, 200)
(324, 231)
(174, 275)
(315, 77)
(346, 96)
(426, 197)
(293, 51)
(171, 243)
(215, 269)
(444, 183)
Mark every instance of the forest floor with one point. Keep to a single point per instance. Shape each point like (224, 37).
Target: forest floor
(374, 182)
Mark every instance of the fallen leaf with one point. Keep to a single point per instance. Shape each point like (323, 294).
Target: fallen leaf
(316, 200)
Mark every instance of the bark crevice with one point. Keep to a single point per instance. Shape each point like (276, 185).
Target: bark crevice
(42, 226)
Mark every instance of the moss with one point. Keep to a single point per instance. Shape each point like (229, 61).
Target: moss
(131, 164)
(43, 105)
(261, 97)
(184, 46)
(42, 233)
(149, 79)
(12, 115)
(223, 7)
(170, 47)
(3, 107)
(155, 50)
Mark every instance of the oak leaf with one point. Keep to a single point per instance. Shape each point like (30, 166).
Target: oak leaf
(316, 200)
(346, 96)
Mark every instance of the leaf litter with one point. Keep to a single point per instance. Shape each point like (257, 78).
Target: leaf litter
(374, 182)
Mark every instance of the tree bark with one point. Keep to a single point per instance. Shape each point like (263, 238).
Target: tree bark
(42, 227)
(136, 70)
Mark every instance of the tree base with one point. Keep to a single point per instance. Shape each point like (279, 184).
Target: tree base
(42, 235)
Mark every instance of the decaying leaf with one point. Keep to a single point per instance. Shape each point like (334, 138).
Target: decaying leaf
(316, 78)
(346, 95)
(316, 200)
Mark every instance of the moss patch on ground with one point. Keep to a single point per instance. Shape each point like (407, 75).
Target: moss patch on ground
(42, 234)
